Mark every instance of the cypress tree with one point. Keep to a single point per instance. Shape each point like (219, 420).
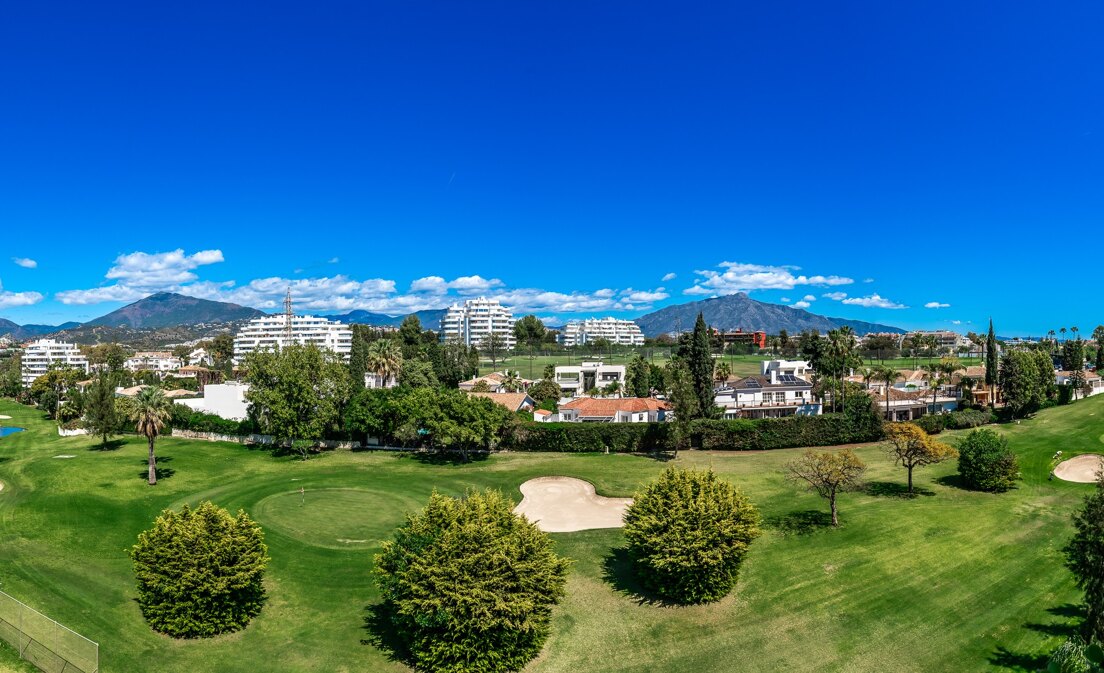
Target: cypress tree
(699, 358)
(992, 365)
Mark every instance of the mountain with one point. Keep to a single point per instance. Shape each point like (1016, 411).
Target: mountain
(23, 332)
(430, 319)
(167, 309)
(738, 311)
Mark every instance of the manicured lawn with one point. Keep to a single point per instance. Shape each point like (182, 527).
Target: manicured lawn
(948, 581)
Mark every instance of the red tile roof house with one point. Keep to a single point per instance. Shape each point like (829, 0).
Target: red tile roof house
(618, 410)
(512, 401)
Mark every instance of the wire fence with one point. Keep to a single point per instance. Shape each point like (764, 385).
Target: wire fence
(40, 640)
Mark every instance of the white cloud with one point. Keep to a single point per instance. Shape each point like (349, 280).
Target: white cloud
(741, 277)
(11, 299)
(785, 300)
(464, 285)
(335, 260)
(873, 301)
(835, 296)
(141, 274)
(808, 297)
(668, 276)
(868, 280)
(935, 304)
(159, 269)
(801, 304)
(25, 262)
(956, 322)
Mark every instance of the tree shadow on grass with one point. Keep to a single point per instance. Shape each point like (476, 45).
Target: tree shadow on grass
(1030, 663)
(804, 522)
(161, 472)
(111, 445)
(953, 481)
(384, 636)
(1074, 616)
(891, 489)
(446, 457)
(618, 571)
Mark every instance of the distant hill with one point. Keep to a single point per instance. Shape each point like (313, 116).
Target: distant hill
(167, 309)
(430, 319)
(23, 332)
(738, 311)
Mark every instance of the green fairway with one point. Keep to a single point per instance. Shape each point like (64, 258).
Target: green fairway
(948, 581)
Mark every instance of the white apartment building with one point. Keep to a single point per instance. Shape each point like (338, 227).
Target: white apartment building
(40, 355)
(271, 332)
(577, 380)
(154, 361)
(475, 320)
(623, 332)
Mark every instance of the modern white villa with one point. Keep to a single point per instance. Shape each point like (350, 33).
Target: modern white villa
(39, 356)
(153, 361)
(613, 330)
(475, 320)
(782, 389)
(272, 332)
(577, 380)
(226, 400)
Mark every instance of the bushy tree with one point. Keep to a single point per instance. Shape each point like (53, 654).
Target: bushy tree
(546, 391)
(1020, 377)
(1085, 558)
(297, 392)
(986, 463)
(688, 532)
(828, 473)
(637, 378)
(470, 586)
(200, 571)
(911, 447)
(418, 374)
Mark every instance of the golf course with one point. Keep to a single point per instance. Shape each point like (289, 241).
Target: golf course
(948, 580)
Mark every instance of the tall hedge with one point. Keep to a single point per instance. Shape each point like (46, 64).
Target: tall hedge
(714, 435)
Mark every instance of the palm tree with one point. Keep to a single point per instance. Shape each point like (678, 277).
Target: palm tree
(721, 372)
(1063, 331)
(149, 411)
(385, 360)
(511, 383)
(867, 375)
(889, 375)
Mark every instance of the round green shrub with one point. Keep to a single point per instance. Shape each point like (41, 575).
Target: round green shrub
(200, 571)
(986, 463)
(687, 532)
(469, 586)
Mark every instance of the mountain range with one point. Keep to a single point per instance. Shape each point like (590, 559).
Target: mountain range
(739, 311)
(171, 317)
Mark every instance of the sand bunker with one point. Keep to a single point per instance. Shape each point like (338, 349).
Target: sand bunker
(1081, 469)
(565, 505)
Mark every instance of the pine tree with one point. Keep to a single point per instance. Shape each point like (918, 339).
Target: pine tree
(100, 415)
(1084, 560)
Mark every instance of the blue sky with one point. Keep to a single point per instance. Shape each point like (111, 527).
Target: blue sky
(572, 158)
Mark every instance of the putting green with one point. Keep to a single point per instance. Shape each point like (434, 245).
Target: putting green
(336, 518)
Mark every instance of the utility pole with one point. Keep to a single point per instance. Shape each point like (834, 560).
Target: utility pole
(287, 317)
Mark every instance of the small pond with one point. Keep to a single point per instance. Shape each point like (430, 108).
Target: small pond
(4, 432)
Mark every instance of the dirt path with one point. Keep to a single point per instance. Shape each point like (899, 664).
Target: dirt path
(1081, 469)
(566, 505)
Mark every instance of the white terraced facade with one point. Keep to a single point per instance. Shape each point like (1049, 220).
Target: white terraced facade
(152, 361)
(38, 356)
(475, 320)
(270, 333)
(624, 332)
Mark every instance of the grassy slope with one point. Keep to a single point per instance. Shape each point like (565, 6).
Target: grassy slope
(950, 580)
